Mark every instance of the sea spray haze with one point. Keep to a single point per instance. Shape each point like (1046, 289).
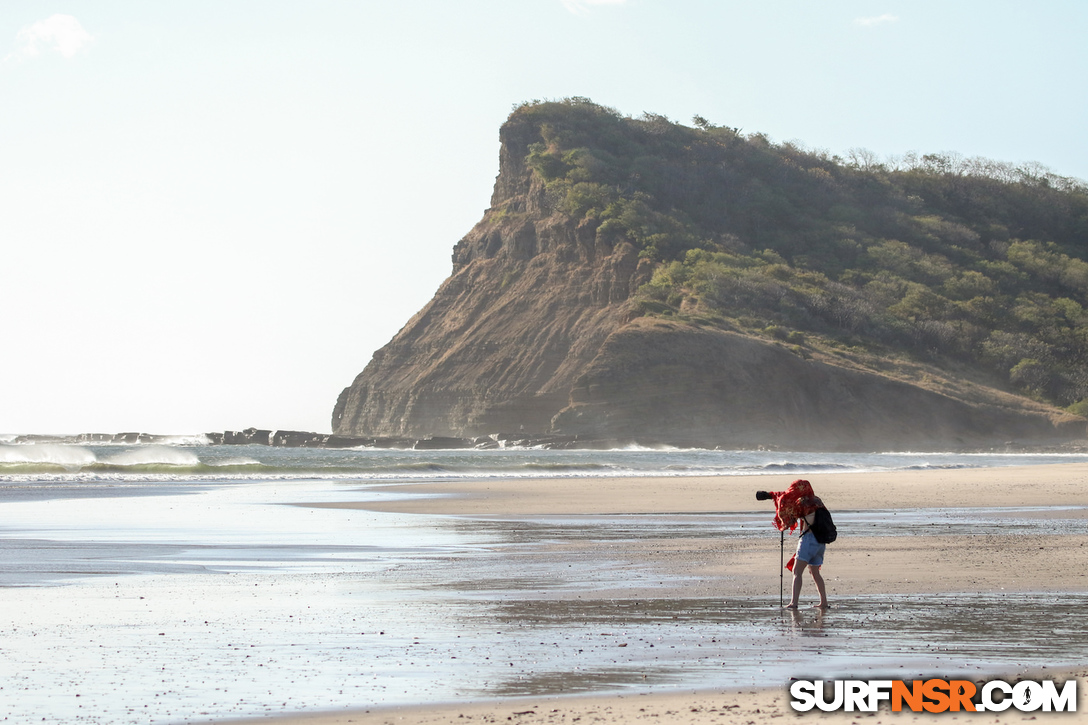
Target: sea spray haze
(637, 279)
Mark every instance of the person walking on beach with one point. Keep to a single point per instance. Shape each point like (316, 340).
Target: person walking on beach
(796, 506)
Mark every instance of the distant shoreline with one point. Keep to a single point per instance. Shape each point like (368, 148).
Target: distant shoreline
(1030, 485)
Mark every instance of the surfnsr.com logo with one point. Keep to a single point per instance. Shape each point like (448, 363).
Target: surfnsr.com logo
(933, 695)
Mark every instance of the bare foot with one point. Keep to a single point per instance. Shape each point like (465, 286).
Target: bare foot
(823, 605)
(791, 606)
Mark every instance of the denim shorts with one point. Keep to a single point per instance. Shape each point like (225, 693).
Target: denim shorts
(809, 550)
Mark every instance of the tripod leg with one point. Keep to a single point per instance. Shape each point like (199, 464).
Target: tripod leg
(781, 565)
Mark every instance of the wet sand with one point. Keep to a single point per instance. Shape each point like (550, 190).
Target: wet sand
(699, 707)
(985, 532)
(885, 556)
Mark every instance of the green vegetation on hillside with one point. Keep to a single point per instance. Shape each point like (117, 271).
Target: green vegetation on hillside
(965, 263)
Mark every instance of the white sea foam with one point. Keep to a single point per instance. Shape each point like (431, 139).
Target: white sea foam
(70, 457)
(650, 449)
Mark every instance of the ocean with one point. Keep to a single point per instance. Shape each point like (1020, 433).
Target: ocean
(181, 582)
(191, 459)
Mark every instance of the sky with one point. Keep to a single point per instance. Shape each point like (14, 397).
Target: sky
(213, 213)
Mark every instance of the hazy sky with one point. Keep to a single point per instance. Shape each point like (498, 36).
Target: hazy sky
(213, 213)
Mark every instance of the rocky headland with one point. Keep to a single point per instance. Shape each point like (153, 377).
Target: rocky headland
(541, 330)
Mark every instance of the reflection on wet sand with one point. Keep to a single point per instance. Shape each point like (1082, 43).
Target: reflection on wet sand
(874, 522)
(712, 642)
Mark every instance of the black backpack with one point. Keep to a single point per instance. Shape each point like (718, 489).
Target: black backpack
(823, 528)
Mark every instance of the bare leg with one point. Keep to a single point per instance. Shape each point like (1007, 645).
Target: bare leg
(819, 579)
(798, 570)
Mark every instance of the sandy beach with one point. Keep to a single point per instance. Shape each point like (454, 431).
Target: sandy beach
(858, 564)
(919, 557)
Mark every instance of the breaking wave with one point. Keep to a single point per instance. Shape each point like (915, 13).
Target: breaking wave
(153, 456)
(181, 462)
(50, 457)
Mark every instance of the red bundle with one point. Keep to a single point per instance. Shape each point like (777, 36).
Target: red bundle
(794, 503)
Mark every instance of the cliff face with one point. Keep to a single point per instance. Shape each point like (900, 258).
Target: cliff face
(531, 299)
(535, 332)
